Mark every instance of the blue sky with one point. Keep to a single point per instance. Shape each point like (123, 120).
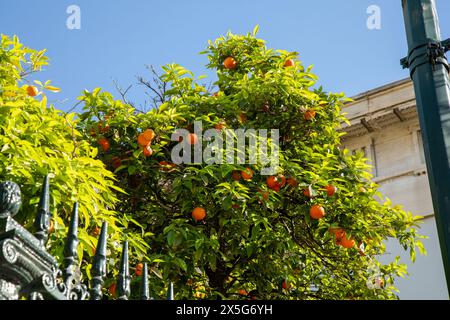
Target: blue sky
(118, 38)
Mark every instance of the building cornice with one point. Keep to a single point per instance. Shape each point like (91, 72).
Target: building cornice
(378, 108)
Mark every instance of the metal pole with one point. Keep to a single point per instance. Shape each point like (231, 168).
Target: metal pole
(430, 74)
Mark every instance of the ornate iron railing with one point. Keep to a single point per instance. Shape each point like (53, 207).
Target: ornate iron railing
(28, 270)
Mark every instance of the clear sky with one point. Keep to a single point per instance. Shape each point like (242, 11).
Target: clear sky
(118, 38)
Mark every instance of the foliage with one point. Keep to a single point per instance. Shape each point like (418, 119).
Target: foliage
(35, 140)
(248, 242)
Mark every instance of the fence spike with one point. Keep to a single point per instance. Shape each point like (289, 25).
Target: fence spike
(170, 291)
(42, 221)
(123, 283)
(71, 270)
(99, 264)
(145, 292)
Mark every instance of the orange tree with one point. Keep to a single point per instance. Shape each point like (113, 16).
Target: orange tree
(312, 230)
(37, 140)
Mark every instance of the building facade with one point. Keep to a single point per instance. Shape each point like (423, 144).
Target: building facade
(384, 125)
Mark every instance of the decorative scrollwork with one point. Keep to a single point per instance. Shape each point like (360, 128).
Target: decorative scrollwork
(9, 251)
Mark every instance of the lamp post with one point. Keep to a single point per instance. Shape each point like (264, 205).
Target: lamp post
(429, 71)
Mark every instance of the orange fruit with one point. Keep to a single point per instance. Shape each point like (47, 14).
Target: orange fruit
(347, 242)
(339, 233)
(198, 214)
(243, 292)
(309, 115)
(289, 63)
(146, 137)
(292, 182)
(272, 182)
(139, 268)
(236, 175)
(192, 138)
(230, 63)
(148, 151)
(116, 162)
(247, 174)
(317, 212)
(32, 91)
(331, 190)
(104, 143)
(308, 192)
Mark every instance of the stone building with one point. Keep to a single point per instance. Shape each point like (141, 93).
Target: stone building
(384, 125)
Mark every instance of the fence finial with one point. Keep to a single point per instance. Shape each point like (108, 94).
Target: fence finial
(145, 292)
(170, 291)
(10, 199)
(123, 283)
(42, 221)
(99, 265)
(71, 271)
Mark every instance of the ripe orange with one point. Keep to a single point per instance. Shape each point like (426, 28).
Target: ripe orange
(308, 192)
(230, 63)
(339, 233)
(192, 138)
(243, 292)
(309, 115)
(289, 63)
(347, 242)
(32, 91)
(198, 214)
(116, 162)
(292, 182)
(272, 182)
(139, 268)
(104, 143)
(247, 174)
(317, 212)
(216, 94)
(331, 190)
(146, 137)
(148, 151)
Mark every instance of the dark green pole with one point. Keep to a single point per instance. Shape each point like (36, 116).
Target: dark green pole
(429, 70)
